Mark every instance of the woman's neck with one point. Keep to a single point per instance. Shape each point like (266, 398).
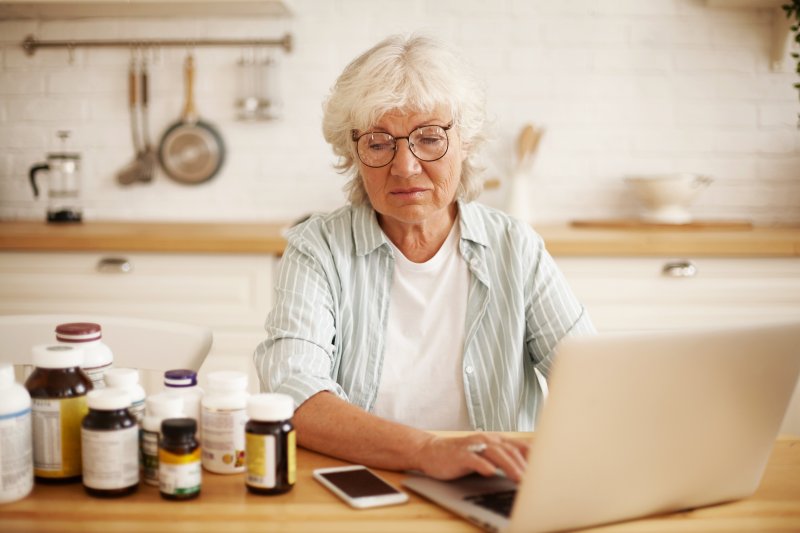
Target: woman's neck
(420, 241)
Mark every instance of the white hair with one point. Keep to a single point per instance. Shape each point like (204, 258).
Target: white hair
(411, 73)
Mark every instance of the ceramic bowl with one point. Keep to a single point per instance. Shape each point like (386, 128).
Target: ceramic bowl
(666, 198)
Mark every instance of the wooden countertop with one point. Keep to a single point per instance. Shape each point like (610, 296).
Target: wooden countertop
(225, 505)
(562, 240)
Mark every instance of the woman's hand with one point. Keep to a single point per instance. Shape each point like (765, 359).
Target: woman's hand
(484, 453)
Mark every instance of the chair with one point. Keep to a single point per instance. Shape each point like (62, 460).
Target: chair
(149, 345)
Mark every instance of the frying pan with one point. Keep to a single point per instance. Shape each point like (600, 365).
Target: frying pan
(191, 150)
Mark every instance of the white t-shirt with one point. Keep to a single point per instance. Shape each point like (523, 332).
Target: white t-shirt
(422, 377)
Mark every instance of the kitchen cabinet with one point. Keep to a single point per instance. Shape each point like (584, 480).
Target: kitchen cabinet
(231, 294)
(70, 9)
(624, 294)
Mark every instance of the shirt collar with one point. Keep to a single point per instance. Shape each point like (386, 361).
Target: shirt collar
(472, 226)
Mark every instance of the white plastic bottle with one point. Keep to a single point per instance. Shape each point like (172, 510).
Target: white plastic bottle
(224, 415)
(97, 357)
(16, 442)
(184, 383)
(127, 379)
(158, 407)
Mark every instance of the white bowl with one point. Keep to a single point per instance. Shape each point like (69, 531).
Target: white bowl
(666, 197)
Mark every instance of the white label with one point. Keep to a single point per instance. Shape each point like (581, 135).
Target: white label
(179, 479)
(47, 429)
(110, 458)
(223, 440)
(137, 411)
(97, 375)
(16, 461)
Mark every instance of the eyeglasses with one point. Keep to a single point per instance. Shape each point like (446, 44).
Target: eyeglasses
(377, 149)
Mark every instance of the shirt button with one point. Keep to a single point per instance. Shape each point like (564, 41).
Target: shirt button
(469, 369)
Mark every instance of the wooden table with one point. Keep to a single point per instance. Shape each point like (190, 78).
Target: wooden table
(226, 506)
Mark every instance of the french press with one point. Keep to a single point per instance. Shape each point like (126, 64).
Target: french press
(63, 183)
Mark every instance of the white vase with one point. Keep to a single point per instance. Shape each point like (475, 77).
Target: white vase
(519, 199)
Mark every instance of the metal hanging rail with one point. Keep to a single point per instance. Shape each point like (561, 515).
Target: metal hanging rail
(30, 44)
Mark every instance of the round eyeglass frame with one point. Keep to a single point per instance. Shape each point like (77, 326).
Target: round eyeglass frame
(356, 136)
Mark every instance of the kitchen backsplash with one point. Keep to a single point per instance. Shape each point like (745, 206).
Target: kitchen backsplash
(620, 86)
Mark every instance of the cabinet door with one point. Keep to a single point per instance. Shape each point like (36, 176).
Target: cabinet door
(231, 294)
(628, 294)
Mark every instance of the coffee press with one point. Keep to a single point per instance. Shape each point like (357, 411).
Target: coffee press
(63, 183)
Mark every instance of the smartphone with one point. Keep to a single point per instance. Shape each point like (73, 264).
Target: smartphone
(359, 486)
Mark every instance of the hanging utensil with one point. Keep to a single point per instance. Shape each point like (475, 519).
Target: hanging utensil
(191, 150)
(149, 153)
(133, 170)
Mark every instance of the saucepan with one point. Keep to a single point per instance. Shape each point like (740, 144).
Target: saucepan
(191, 150)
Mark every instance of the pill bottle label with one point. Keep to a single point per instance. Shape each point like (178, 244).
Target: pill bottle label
(150, 457)
(16, 465)
(179, 475)
(137, 411)
(110, 458)
(262, 461)
(57, 436)
(97, 375)
(223, 439)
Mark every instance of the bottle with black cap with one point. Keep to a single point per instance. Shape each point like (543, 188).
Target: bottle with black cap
(179, 460)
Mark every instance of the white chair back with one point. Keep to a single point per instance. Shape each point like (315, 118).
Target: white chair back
(149, 345)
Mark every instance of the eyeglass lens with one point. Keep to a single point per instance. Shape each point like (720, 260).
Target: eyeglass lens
(427, 143)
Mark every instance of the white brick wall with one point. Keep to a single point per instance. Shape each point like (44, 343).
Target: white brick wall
(621, 86)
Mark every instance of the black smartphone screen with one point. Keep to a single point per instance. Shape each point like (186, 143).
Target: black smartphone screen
(360, 482)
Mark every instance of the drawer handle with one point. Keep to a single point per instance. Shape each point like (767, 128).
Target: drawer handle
(114, 265)
(679, 269)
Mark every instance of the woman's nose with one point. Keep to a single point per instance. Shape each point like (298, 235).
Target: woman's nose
(405, 163)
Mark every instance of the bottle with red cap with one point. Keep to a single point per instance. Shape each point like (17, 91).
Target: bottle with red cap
(97, 357)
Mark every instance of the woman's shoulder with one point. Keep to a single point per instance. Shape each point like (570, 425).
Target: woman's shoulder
(323, 229)
(494, 226)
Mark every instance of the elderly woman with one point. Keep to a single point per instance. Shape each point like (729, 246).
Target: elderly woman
(414, 308)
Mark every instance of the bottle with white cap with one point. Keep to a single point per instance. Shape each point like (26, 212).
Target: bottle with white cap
(58, 390)
(97, 357)
(270, 444)
(184, 383)
(127, 379)
(158, 407)
(223, 415)
(110, 445)
(16, 455)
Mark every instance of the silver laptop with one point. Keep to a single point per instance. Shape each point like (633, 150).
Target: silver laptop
(641, 424)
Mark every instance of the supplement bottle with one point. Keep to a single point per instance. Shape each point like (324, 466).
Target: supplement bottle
(179, 463)
(110, 445)
(58, 390)
(97, 357)
(270, 444)
(16, 455)
(223, 415)
(127, 379)
(158, 407)
(184, 383)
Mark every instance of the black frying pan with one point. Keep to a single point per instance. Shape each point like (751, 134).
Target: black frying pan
(191, 150)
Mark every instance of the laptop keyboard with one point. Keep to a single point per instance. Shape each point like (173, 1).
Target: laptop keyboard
(497, 502)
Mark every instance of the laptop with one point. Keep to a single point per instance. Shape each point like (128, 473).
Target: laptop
(641, 424)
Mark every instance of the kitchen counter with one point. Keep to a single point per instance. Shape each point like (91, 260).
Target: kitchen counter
(562, 240)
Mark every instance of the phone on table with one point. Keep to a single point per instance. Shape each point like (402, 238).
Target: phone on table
(359, 486)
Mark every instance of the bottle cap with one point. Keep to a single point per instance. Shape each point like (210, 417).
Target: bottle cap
(6, 374)
(78, 332)
(227, 380)
(164, 405)
(108, 399)
(178, 427)
(121, 377)
(180, 378)
(57, 355)
(270, 407)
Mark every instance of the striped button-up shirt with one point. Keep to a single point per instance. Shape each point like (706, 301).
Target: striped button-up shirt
(327, 330)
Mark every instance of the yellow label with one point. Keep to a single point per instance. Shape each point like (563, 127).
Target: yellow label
(255, 455)
(57, 436)
(291, 454)
(174, 459)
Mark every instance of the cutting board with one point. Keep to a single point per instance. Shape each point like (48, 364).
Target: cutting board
(634, 223)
